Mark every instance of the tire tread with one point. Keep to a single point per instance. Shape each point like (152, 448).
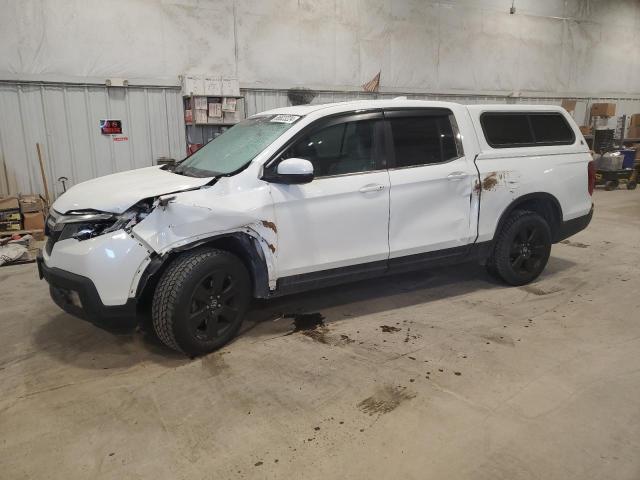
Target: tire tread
(166, 294)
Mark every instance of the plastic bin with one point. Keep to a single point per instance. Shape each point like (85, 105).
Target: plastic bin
(629, 157)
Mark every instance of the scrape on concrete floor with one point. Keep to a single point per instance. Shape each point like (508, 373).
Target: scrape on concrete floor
(444, 374)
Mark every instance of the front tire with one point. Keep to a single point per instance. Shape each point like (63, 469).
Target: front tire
(200, 301)
(522, 248)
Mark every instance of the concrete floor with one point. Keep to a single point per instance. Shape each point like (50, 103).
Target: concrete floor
(437, 375)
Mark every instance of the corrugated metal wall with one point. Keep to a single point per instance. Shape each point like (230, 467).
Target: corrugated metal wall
(64, 119)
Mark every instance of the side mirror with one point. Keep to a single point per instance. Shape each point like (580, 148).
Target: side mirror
(293, 171)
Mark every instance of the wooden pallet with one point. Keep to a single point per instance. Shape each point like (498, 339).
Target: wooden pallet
(9, 233)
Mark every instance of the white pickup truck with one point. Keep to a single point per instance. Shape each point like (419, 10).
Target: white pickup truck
(309, 196)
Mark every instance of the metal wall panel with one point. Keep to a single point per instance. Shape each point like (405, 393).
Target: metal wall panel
(65, 118)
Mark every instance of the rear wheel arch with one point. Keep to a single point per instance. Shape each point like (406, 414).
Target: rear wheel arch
(542, 203)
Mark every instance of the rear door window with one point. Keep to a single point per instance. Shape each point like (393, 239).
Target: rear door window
(423, 140)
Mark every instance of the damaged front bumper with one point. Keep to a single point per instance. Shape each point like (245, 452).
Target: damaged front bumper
(78, 296)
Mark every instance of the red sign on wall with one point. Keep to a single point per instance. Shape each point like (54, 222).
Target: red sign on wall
(111, 127)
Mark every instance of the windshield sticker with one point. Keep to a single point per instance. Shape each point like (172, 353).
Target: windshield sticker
(285, 118)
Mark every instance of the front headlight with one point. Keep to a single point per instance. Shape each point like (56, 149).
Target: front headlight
(85, 225)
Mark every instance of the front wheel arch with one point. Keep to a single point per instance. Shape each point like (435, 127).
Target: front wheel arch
(244, 246)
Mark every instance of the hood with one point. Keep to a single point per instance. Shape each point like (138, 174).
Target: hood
(116, 193)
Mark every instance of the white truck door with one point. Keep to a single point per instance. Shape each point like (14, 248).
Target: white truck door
(431, 183)
(340, 218)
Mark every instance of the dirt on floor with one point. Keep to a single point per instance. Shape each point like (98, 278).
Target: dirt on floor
(439, 374)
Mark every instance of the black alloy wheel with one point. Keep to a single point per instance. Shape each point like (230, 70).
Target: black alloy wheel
(528, 250)
(522, 248)
(200, 301)
(213, 308)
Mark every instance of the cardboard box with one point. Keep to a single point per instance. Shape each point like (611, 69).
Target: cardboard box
(9, 203)
(10, 216)
(200, 103)
(603, 109)
(31, 203)
(201, 116)
(230, 87)
(10, 226)
(633, 132)
(34, 221)
(634, 120)
(585, 129)
(193, 85)
(215, 112)
(569, 105)
(188, 116)
(213, 86)
(637, 148)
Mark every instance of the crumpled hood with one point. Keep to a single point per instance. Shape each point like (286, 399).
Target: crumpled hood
(116, 193)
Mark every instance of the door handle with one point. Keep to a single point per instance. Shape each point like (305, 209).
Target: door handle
(374, 187)
(456, 176)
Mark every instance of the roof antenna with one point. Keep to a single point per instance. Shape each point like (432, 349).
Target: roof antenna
(512, 10)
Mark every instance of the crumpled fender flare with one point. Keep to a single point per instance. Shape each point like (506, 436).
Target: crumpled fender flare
(246, 246)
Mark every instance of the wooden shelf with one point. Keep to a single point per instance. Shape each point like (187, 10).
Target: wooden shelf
(8, 233)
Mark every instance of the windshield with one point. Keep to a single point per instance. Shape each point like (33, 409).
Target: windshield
(236, 147)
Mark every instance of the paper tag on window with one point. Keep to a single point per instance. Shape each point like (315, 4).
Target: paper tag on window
(285, 118)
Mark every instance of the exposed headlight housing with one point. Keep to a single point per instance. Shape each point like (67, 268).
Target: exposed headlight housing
(86, 224)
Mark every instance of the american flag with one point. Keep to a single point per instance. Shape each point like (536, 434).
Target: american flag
(372, 85)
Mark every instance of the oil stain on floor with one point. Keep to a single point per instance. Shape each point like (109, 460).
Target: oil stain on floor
(309, 324)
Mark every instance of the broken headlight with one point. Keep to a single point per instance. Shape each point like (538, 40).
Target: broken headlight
(83, 225)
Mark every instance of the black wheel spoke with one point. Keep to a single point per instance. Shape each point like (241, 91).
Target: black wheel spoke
(202, 294)
(518, 261)
(533, 235)
(227, 295)
(197, 318)
(212, 326)
(217, 282)
(539, 249)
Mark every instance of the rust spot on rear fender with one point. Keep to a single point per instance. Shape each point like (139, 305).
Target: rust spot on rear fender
(270, 225)
(271, 247)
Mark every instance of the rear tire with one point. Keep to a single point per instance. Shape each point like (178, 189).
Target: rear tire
(631, 185)
(522, 248)
(200, 301)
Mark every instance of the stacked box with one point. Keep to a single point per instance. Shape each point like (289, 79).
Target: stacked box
(603, 109)
(31, 203)
(10, 219)
(634, 126)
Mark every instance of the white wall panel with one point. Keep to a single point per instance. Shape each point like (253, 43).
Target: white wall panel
(65, 118)
(568, 47)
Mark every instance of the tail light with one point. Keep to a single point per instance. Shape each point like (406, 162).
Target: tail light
(591, 179)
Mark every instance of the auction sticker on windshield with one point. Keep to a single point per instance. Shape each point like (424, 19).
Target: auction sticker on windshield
(285, 118)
